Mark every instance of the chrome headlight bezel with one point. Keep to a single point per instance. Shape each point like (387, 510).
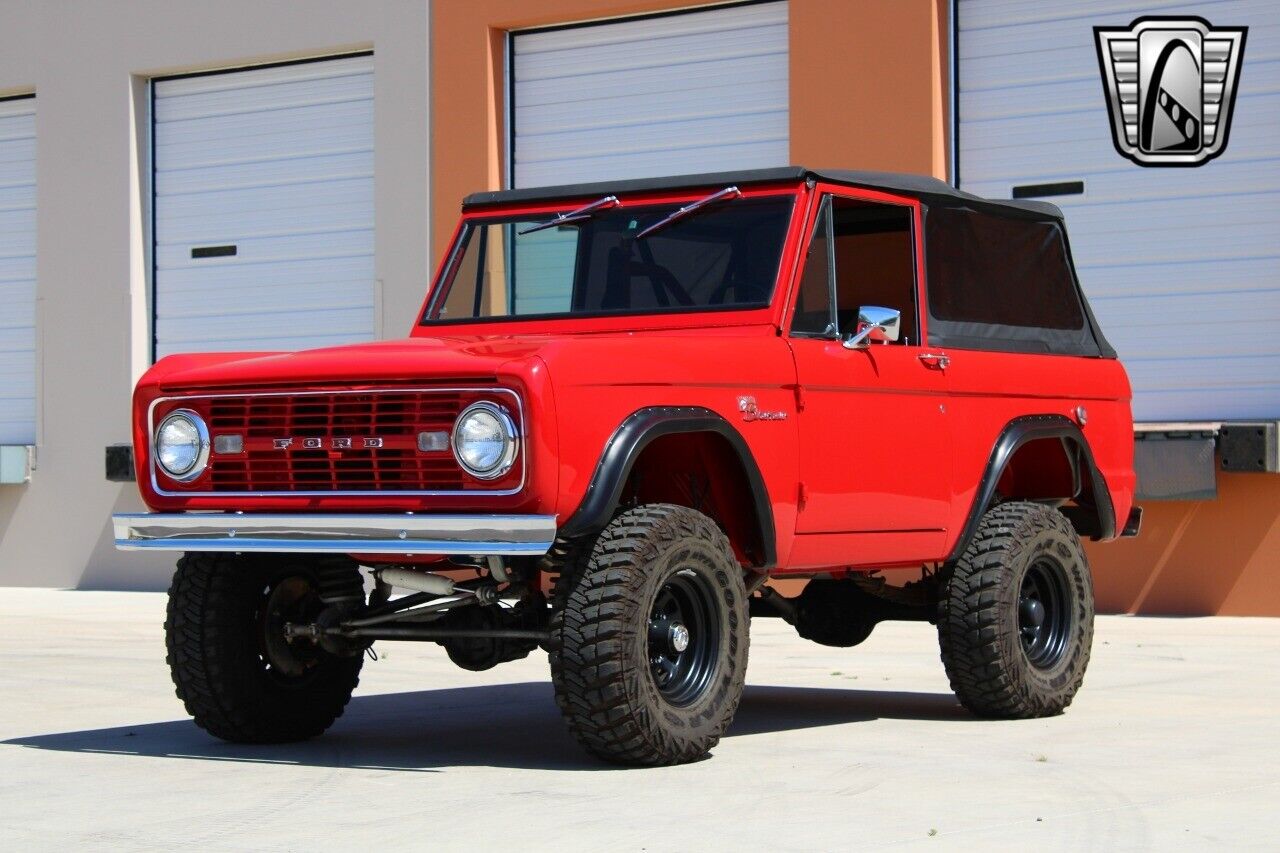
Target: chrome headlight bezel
(201, 461)
(511, 440)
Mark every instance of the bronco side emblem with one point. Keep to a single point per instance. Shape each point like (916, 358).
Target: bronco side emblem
(752, 412)
(1171, 86)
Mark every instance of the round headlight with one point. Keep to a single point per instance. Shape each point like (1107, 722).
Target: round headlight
(182, 445)
(484, 441)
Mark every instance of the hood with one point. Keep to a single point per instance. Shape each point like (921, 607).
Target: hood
(655, 357)
(414, 359)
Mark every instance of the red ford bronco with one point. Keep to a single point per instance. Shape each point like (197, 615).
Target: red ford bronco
(624, 408)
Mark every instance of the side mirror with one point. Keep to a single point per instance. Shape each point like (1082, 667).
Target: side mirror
(875, 324)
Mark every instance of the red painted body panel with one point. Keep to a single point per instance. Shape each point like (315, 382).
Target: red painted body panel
(885, 450)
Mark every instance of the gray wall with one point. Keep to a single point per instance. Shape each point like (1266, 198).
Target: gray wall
(89, 64)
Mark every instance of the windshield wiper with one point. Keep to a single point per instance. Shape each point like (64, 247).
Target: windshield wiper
(574, 215)
(690, 209)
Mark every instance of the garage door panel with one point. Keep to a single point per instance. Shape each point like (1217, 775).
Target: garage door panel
(594, 83)
(1208, 403)
(17, 271)
(1243, 316)
(1223, 372)
(284, 130)
(674, 134)
(284, 248)
(326, 296)
(1021, 149)
(352, 195)
(317, 129)
(279, 163)
(235, 231)
(285, 88)
(303, 169)
(996, 14)
(1120, 279)
(598, 68)
(1175, 245)
(286, 329)
(1159, 251)
(692, 159)
(558, 110)
(268, 285)
(15, 244)
(696, 91)
(689, 30)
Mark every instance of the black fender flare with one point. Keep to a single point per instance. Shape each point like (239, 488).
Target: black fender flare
(624, 447)
(1098, 522)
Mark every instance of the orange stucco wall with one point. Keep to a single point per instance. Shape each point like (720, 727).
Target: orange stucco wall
(868, 85)
(1197, 557)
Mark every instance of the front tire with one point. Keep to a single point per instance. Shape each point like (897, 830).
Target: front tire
(233, 670)
(1015, 620)
(649, 651)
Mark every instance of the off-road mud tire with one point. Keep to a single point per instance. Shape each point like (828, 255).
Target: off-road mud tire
(978, 614)
(213, 634)
(600, 655)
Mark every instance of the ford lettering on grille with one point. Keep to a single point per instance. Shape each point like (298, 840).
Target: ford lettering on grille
(337, 443)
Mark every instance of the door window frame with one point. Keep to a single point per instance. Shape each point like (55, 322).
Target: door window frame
(824, 195)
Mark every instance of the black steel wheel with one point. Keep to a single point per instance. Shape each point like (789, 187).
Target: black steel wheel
(1044, 613)
(235, 672)
(649, 641)
(1015, 615)
(684, 646)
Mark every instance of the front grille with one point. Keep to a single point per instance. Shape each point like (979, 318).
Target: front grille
(337, 442)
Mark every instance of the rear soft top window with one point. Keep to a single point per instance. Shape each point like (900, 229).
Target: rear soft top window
(1003, 282)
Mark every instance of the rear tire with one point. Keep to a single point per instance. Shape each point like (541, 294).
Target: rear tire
(233, 670)
(649, 652)
(1015, 620)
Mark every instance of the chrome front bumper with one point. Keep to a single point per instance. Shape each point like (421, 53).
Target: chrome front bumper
(481, 535)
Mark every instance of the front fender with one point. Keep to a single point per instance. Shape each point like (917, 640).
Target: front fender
(604, 493)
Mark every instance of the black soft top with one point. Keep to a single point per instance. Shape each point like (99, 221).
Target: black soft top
(918, 186)
(999, 272)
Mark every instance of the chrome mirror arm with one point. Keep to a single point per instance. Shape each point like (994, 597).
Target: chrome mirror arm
(860, 339)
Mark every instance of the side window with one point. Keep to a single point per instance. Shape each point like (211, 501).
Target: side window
(869, 247)
(815, 311)
(1000, 271)
(875, 262)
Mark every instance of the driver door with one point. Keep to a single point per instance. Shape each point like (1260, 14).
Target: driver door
(875, 441)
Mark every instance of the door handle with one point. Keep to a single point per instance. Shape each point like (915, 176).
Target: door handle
(935, 359)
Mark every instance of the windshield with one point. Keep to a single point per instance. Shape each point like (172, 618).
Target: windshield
(724, 257)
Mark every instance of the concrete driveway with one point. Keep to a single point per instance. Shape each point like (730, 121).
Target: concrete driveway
(1173, 743)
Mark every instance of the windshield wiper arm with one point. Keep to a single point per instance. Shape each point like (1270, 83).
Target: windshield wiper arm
(690, 209)
(574, 215)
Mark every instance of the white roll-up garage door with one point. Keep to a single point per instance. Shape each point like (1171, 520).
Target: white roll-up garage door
(672, 94)
(264, 207)
(18, 271)
(1182, 265)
